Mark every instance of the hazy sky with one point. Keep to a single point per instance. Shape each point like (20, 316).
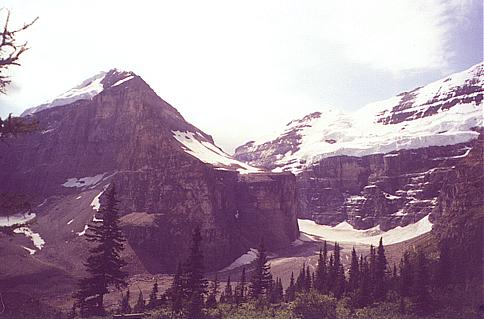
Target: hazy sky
(241, 69)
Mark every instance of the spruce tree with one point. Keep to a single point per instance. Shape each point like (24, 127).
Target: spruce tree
(421, 294)
(153, 301)
(125, 306)
(301, 279)
(104, 264)
(261, 278)
(354, 278)
(177, 291)
(241, 288)
(363, 296)
(291, 290)
(228, 293)
(320, 283)
(380, 268)
(338, 273)
(212, 297)
(196, 284)
(307, 279)
(406, 276)
(140, 303)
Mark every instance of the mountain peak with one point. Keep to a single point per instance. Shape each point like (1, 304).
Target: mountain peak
(87, 89)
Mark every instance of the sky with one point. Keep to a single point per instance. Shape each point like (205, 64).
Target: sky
(239, 70)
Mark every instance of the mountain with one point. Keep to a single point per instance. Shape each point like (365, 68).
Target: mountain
(169, 175)
(383, 164)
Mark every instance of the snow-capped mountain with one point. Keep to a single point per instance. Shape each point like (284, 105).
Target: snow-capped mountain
(384, 164)
(442, 113)
(86, 90)
(170, 177)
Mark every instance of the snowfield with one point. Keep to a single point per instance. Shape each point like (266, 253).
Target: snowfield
(333, 132)
(196, 145)
(35, 237)
(17, 219)
(245, 259)
(345, 233)
(83, 181)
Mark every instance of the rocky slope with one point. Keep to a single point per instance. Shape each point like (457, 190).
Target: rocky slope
(383, 164)
(170, 178)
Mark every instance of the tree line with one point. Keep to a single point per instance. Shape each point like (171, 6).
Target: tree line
(368, 280)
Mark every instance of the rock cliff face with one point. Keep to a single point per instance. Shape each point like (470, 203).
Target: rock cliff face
(384, 164)
(169, 175)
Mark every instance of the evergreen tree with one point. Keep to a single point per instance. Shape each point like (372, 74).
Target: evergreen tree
(372, 266)
(228, 293)
(301, 279)
(320, 283)
(140, 303)
(153, 301)
(421, 294)
(380, 273)
(125, 306)
(363, 296)
(406, 276)
(261, 278)
(177, 291)
(331, 274)
(241, 288)
(307, 279)
(104, 263)
(354, 278)
(444, 273)
(338, 273)
(291, 290)
(212, 297)
(196, 284)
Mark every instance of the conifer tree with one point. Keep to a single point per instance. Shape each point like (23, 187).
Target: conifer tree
(261, 278)
(196, 284)
(140, 303)
(301, 279)
(372, 267)
(153, 301)
(291, 290)
(338, 273)
(320, 283)
(212, 297)
(104, 264)
(241, 288)
(228, 293)
(363, 295)
(421, 294)
(354, 278)
(406, 276)
(331, 277)
(177, 291)
(307, 279)
(380, 273)
(125, 306)
(444, 273)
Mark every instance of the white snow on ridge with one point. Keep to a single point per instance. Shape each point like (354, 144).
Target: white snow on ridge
(83, 232)
(84, 181)
(245, 259)
(122, 81)
(86, 90)
(359, 133)
(345, 233)
(194, 144)
(19, 219)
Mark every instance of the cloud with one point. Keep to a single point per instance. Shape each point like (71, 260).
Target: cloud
(397, 35)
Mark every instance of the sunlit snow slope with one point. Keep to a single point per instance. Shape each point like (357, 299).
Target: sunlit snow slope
(441, 113)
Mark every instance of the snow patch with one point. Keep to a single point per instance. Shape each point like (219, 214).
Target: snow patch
(17, 219)
(83, 181)
(95, 202)
(83, 232)
(70, 222)
(30, 250)
(207, 152)
(35, 237)
(245, 259)
(122, 81)
(344, 232)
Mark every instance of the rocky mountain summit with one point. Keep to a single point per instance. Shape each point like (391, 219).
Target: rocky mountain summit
(170, 178)
(384, 164)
